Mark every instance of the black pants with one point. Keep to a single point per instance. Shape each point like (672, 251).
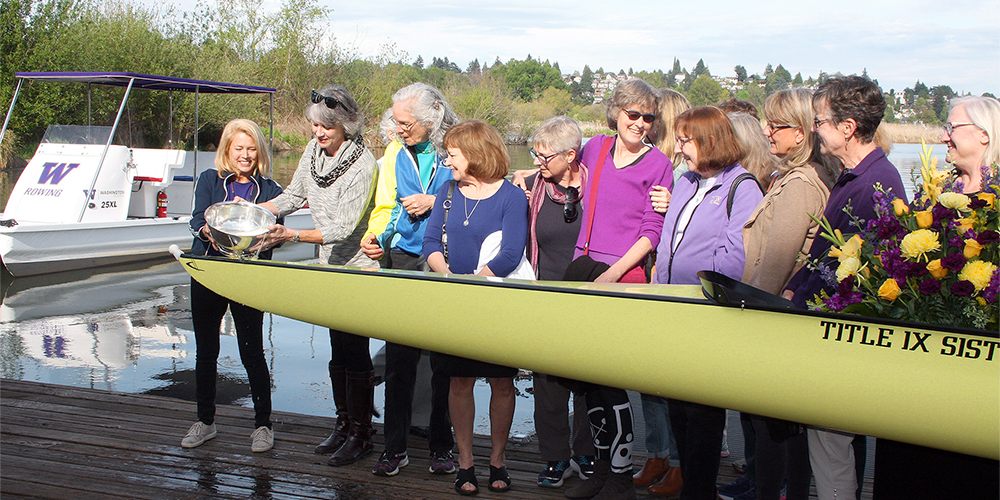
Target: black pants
(401, 378)
(207, 311)
(698, 430)
(347, 349)
(778, 461)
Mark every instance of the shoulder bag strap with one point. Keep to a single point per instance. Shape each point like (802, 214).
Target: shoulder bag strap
(732, 190)
(601, 158)
(444, 225)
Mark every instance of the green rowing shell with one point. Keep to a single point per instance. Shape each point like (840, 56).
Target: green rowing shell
(923, 384)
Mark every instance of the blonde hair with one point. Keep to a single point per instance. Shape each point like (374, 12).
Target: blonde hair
(241, 126)
(757, 157)
(794, 107)
(482, 146)
(984, 112)
(672, 103)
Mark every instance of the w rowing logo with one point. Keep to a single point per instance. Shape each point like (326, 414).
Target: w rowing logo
(53, 173)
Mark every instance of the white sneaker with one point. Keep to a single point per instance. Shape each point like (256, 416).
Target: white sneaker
(198, 434)
(262, 439)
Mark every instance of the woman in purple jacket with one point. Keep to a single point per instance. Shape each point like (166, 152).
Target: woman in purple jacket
(703, 230)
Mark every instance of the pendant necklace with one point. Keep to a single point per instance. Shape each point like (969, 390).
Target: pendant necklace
(467, 213)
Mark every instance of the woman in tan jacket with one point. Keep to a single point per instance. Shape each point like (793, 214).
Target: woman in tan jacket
(778, 231)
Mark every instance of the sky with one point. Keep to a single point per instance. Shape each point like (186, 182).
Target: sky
(954, 43)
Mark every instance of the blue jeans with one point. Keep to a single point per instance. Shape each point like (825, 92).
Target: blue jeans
(660, 442)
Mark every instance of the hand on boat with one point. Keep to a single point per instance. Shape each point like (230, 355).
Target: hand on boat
(371, 248)
(417, 204)
(660, 198)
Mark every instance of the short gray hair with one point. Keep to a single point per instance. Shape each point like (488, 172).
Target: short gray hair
(387, 128)
(347, 114)
(632, 92)
(985, 114)
(560, 134)
(428, 106)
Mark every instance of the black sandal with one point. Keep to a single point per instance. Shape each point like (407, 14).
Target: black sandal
(500, 475)
(466, 476)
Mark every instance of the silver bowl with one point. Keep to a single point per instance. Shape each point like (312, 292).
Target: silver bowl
(238, 227)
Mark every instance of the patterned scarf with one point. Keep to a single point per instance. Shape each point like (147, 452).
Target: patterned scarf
(541, 188)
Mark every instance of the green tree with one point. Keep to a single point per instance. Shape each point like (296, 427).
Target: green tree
(419, 63)
(488, 100)
(559, 99)
(473, 68)
(700, 69)
(529, 78)
(741, 73)
(705, 91)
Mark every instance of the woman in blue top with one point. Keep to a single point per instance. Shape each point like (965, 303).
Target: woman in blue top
(242, 163)
(485, 235)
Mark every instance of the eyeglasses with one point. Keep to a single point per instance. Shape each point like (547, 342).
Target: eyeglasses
(403, 125)
(331, 102)
(817, 122)
(683, 140)
(634, 115)
(950, 127)
(775, 128)
(569, 206)
(545, 159)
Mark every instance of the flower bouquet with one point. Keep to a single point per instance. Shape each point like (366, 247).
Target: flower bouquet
(934, 260)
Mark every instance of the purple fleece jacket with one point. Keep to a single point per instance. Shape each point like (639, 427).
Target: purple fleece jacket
(624, 213)
(712, 241)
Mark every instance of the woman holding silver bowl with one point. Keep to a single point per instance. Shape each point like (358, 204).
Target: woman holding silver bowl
(241, 168)
(336, 177)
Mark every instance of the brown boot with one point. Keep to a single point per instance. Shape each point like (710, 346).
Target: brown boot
(670, 485)
(360, 393)
(593, 485)
(618, 487)
(338, 379)
(652, 471)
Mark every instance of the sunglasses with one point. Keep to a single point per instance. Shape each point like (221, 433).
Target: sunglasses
(545, 159)
(569, 206)
(634, 115)
(775, 128)
(950, 127)
(331, 102)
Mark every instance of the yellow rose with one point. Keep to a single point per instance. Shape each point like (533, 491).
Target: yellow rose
(965, 224)
(917, 244)
(889, 290)
(924, 219)
(978, 272)
(972, 248)
(954, 201)
(989, 197)
(936, 269)
(848, 267)
(900, 207)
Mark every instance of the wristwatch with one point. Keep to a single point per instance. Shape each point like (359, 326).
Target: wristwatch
(295, 239)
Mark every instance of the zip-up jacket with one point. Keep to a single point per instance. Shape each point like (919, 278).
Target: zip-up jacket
(212, 189)
(398, 178)
(712, 240)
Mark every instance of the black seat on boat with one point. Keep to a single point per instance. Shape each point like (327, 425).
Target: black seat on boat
(725, 290)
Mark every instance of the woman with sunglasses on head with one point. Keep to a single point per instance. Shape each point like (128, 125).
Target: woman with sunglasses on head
(242, 171)
(971, 134)
(554, 198)
(702, 230)
(618, 230)
(479, 225)
(336, 177)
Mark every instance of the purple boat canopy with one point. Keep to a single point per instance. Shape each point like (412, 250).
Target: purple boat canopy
(152, 82)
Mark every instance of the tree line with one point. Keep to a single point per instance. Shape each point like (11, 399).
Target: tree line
(293, 51)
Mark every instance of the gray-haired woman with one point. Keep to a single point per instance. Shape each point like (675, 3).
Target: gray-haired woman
(336, 176)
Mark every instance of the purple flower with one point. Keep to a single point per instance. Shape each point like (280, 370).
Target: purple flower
(963, 288)
(977, 203)
(988, 236)
(839, 301)
(846, 286)
(941, 212)
(954, 261)
(991, 290)
(930, 286)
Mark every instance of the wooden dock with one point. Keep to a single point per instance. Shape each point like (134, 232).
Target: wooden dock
(64, 442)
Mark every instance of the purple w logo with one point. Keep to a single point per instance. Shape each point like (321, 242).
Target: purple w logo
(53, 173)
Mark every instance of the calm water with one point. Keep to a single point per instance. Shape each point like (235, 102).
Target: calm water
(129, 330)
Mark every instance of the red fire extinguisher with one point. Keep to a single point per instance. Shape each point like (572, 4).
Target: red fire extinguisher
(161, 204)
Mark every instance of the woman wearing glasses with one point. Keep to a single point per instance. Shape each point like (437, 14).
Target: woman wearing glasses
(554, 198)
(335, 177)
(971, 136)
(618, 229)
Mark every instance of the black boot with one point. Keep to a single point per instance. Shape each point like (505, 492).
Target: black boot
(618, 487)
(360, 392)
(338, 379)
(593, 485)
